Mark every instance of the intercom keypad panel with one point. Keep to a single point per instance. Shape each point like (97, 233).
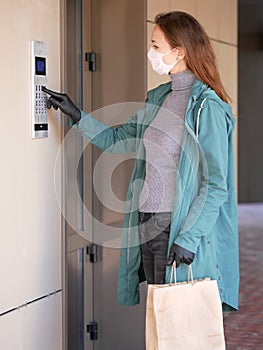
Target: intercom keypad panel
(40, 105)
(39, 98)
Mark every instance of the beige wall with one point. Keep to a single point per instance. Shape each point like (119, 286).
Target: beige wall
(30, 239)
(219, 18)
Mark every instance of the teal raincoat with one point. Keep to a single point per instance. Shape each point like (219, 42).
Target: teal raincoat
(204, 216)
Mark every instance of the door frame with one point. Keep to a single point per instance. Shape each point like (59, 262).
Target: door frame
(74, 243)
(62, 27)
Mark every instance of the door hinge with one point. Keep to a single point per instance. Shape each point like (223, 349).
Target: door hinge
(91, 57)
(92, 329)
(92, 251)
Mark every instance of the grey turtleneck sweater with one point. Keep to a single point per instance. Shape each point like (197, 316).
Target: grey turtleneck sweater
(162, 141)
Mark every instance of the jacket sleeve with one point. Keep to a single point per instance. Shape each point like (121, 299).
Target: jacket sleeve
(213, 191)
(121, 139)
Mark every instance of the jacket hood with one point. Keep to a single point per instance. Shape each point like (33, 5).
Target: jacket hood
(200, 91)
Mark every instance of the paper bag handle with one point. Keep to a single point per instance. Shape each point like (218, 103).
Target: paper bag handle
(173, 274)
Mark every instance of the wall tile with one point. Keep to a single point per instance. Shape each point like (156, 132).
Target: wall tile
(11, 335)
(188, 6)
(156, 6)
(207, 15)
(227, 19)
(42, 324)
(227, 64)
(35, 326)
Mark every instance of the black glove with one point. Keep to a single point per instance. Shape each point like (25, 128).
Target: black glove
(180, 255)
(62, 101)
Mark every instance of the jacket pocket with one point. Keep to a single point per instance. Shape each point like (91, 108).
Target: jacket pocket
(162, 221)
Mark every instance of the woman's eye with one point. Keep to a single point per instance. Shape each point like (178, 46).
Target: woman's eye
(155, 47)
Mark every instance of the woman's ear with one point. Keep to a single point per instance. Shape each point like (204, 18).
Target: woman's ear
(180, 52)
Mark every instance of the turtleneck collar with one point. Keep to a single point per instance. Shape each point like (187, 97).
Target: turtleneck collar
(182, 80)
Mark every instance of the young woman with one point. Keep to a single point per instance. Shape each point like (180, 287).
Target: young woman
(185, 208)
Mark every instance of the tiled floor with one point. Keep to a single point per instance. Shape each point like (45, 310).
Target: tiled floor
(244, 328)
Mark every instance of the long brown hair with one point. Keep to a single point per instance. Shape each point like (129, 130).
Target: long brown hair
(182, 29)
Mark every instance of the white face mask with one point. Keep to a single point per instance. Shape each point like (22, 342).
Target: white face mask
(156, 60)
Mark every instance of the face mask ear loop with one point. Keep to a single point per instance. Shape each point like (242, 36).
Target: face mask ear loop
(168, 53)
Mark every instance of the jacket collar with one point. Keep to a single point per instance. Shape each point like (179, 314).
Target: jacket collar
(197, 89)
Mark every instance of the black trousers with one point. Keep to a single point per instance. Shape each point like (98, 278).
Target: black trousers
(154, 231)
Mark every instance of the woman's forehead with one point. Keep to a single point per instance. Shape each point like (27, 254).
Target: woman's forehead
(158, 35)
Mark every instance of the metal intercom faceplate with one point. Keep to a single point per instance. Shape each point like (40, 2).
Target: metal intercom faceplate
(39, 79)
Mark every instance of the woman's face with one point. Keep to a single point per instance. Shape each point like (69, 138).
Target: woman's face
(160, 43)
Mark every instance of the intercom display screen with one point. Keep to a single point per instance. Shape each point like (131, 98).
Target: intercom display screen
(40, 63)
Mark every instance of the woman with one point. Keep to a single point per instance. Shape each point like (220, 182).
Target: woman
(186, 204)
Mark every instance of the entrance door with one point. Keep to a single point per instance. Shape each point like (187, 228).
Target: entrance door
(115, 31)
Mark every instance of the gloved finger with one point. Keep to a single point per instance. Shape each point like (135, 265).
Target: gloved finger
(53, 102)
(49, 104)
(188, 261)
(170, 259)
(178, 261)
(52, 93)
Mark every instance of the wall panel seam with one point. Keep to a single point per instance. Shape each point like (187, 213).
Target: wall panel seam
(223, 42)
(30, 302)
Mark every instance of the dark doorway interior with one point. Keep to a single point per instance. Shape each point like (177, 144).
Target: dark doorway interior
(250, 87)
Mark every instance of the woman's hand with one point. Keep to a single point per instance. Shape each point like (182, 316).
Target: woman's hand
(180, 255)
(63, 102)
